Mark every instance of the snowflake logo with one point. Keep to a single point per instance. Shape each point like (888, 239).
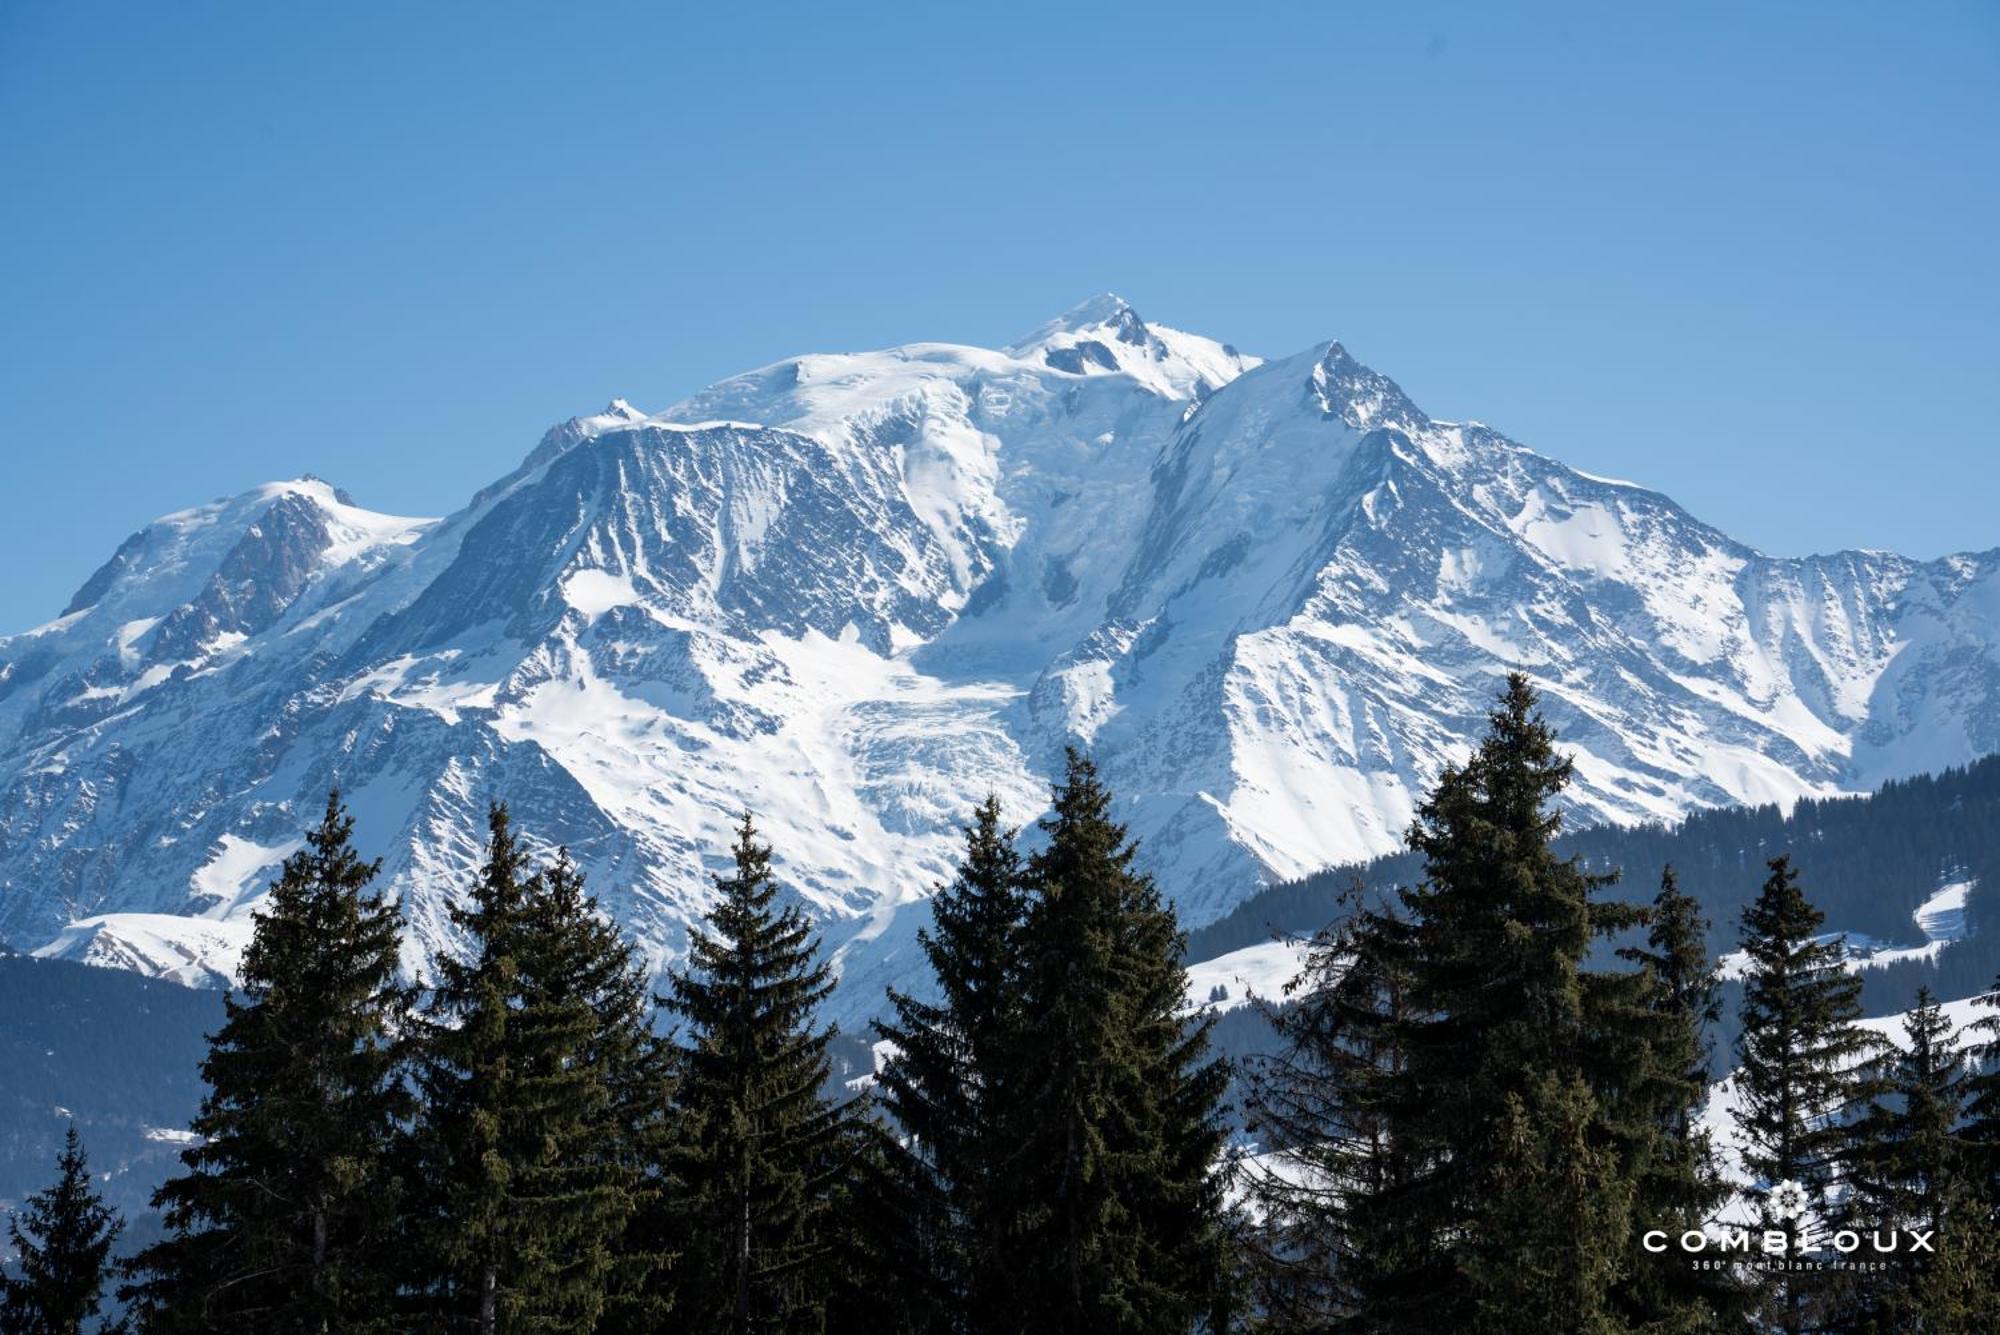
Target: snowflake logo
(1787, 1200)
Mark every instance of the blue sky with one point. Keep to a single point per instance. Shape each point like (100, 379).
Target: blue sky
(1746, 254)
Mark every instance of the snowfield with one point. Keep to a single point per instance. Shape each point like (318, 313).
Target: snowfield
(855, 593)
(1941, 918)
(1254, 973)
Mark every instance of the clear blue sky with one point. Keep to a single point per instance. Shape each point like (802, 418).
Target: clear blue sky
(1746, 254)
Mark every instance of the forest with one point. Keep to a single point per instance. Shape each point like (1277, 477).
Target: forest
(1482, 1110)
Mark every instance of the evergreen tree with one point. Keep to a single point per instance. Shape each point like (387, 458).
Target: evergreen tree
(1317, 1109)
(941, 1082)
(1982, 1103)
(1551, 1234)
(601, 1082)
(760, 1141)
(1800, 1052)
(1516, 1195)
(1909, 1162)
(281, 1221)
(877, 1276)
(1111, 1118)
(1956, 1291)
(1910, 1167)
(636, 1143)
(526, 1155)
(1661, 1014)
(61, 1238)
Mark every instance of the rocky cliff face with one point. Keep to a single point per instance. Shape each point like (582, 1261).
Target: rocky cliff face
(854, 593)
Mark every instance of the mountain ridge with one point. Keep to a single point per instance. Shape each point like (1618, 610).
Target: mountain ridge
(855, 591)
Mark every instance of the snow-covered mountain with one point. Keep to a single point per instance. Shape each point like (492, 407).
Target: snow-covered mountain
(853, 593)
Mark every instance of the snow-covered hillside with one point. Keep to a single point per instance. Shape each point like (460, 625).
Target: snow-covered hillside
(853, 593)
(1941, 919)
(1718, 1118)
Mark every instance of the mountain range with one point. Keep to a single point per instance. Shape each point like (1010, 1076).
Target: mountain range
(854, 593)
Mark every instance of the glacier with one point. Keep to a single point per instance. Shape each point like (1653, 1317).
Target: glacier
(853, 593)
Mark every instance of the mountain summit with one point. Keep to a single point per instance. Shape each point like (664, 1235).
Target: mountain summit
(1104, 335)
(854, 593)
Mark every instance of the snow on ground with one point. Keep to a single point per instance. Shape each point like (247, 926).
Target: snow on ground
(1718, 1119)
(234, 873)
(1941, 918)
(883, 1051)
(172, 1135)
(595, 592)
(1252, 972)
(194, 952)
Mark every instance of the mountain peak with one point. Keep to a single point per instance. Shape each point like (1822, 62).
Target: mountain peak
(1105, 312)
(1359, 395)
(1105, 335)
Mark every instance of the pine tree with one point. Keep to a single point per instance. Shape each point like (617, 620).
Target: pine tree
(1658, 1020)
(877, 1276)
(1112, 1104)
(281, 1221)
(1958, 1290)
(754, 1166)
(1513, 1165)
(1910, 1164)
(1801, 1055)
(464, 1143)
(940, 1084)
(1982, 1102)
(61, 1239)
(599, 1081)
(525, 1153)
(1551, 1233)
(1910, 1168)
(631, 1134)
(1316, 1108)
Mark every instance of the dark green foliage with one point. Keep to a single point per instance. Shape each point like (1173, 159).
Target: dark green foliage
(761, 1141)
(1323, 1247)
(879, 1274)
(1910, 1165)
(1870, 862)
(1466, 1119)
(1492, 1100)
(1956, 1292)
(103, 1050)
(281, 1221)
(601, 1083)
(1911, 1168)
(1549, 1218)
(1801, 1054)
(525, 1148)
(1111, 1122)
(614, 1117)
(1981, 1131)
(1656, 1023)
(942, 1084)
(61, 1239)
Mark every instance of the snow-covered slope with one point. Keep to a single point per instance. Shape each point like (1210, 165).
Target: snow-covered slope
(1718, 1117)
(1261, 972)
(853, 593)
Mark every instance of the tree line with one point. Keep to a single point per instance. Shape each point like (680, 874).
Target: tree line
(535, 1142)
(1870, 861)
(1477, 1122)
(1479, 1118)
